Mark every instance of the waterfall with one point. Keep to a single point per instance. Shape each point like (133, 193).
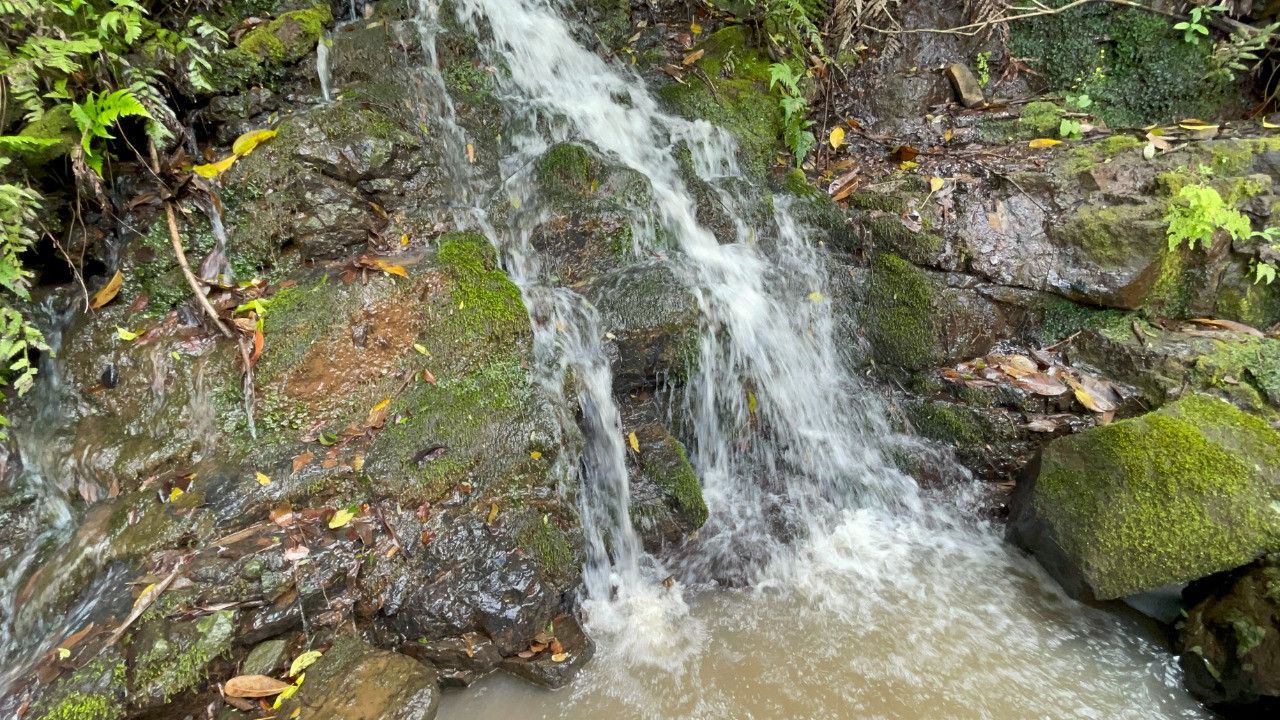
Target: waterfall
(323, 71)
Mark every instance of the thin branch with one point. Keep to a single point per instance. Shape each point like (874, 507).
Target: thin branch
(192, 281)
(1041, 10)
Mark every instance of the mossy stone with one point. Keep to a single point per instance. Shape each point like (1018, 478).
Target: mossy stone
(1171, 496)
(899, 315)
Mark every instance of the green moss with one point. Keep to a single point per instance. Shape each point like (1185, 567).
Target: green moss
(80, 706)
(180, 659)
(489, 307)
(468, 83)
(920, 248)
(900, 314)
(873, 201)
(1063, 318)
(1171, 496)
(1133, 64)
(290, 37)
(551, 547)
(945, 422)
(565, 174)
(1040, 119)
(1084, 157)
(55, 124)
(1248, 634)
(1247, 370)
(679, 480)
(1107, 233)
(734, 95)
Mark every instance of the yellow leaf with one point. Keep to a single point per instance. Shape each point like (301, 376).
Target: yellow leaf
(126, 335)
(285, 694)
(752, 403)
(63, 653)
(341, 519)
(391, 268)
(560, 657)
(1197, 126)
(213, 170)
(936, 183)
(263, 479)
(145, 595)
(404, 240)
(246, 143)
(693, 57)
(633, 441)
(108, 291)
(175, 493)
(695, 28)
(303, 661)
(909, 165)
(1041, 143)
(493, 513)
(816, 297)
(420, 349)
(357, 463)
(837, 138)
(296, 712)
(471, 153)
(535, 455)
(947, 135)
(1270, 125)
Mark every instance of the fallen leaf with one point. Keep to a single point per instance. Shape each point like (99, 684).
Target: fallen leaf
(947, 135)
(296, 553)
(259, 340)
(471, 153)
(904, 154)
(428, 378)
(559, 657)
(535, 455)
(633, 441)
(1015, 365)
(126, 335)
(1042, 384)
(263, 479)
(693, 57)
(815, 297)
(555, 647)
(357, 463)
(936, 183)
(246, 143)
(63, 653)
(1041, 143)
(404, 240)
(144, 597)
(420, 349)
(175, 493)
(285, 694)
(493, 514)
(391, 268)
(1091, 398)
(341, 519)
(213, 170)
(378, 414)
(108, 291)
(695, 28)
(1270, 125)
(1230, 325)
(837, 138)
(303, 460)
(254, 686)
(752, 403)
(304, 661)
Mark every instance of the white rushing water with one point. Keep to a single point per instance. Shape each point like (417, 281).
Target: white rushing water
(859, 596)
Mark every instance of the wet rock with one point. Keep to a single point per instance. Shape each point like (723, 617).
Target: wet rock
(1165, 498)
(968, 91)
(459, 661)
(167, 659)
(1229, 641)
(355, 681)
(652, 322)
(266, 658)
(470, 577)
(667, 505)
(96, 691)
(548, 669)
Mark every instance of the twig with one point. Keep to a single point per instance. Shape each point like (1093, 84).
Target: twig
(247, 385)
(1225, 24)
(146, 602)
(194, 283)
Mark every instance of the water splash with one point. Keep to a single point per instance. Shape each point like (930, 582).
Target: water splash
(323, 69)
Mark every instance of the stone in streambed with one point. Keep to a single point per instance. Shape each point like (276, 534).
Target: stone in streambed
(1229, 643)
(966, 85)
(1168, 497)
(355, 681)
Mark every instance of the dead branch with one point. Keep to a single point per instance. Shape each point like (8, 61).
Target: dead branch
(1039, 9)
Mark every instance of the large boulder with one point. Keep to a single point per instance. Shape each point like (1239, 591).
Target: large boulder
(1171, 496)
(1229, 641)
(355, 681)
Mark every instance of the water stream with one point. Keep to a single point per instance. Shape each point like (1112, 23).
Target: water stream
(858, 594)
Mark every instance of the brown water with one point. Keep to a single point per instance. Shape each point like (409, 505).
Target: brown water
(878, 620)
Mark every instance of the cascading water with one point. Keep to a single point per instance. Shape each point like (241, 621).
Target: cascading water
(865, 597)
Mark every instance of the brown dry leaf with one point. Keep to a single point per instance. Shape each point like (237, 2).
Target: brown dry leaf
(108, 291)
(254, 686)
(1042, 384)
(428, 378)
(693, 57)
(537, 647)
(1042, 425)
(282, 515)
(555, 646)
(378, 414)
(1015, 365)
(245, 324)
(1230, 325)
(904, 154)
(303, 460)
(258, 341)
(296, 553)
(493, 513)
(526, 654)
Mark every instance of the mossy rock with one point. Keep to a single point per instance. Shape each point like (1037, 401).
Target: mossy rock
(1134, 65)
(289, 37)
(898, 315)
(169, 659)
(94, 692)
(1171, 496)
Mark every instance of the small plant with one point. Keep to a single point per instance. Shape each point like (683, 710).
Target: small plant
(1263, 270)
(1241, 52)
(1197, 25)
(796, 124)
(1071, 129)
(984, 68)
(1198, 213)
